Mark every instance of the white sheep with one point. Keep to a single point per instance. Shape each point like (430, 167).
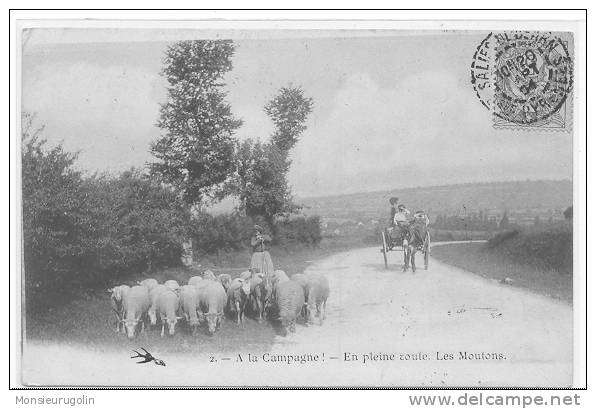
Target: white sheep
(194, 280)
(136, 303)
(172, 285)
(153, 295)
(168, 304)
(318, 292)
(211, 303)
(116, 297)
(149, 283)
(189, 301)
(289, 301)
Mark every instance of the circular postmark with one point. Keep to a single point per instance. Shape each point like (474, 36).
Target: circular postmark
(524, 78)
(481, 72)
(533, 76)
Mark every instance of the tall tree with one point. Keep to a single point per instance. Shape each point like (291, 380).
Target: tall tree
(195, 153)
(261, 181)
(288, 110)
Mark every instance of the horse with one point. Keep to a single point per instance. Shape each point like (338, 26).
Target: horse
(417, 233)
(401, 235)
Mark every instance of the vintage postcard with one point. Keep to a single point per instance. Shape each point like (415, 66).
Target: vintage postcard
(318, 204)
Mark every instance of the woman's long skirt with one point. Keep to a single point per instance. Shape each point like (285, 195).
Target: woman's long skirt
(261, 260)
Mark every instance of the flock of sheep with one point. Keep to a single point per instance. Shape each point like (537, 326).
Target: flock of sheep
(207, 298)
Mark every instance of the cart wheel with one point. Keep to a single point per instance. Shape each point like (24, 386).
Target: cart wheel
(384, 249)
(426, 250)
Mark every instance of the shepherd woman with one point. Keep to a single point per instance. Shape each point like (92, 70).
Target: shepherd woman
(261, 259)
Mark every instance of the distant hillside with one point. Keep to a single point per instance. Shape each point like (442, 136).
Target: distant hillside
(528, 198)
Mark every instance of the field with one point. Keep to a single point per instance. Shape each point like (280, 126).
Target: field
(524, 200)
(538, 259)
(86, 318)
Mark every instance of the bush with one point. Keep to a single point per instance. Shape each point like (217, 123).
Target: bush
(300, 230)
(502, 237)
(141, 223)
(231, 232)
(545, 246)
(82, 232)
(52, 194)
(226, 232)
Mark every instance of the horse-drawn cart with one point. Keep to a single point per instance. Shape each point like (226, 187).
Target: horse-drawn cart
(408, 240)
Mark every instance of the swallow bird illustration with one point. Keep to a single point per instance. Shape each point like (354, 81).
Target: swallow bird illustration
(147, 358)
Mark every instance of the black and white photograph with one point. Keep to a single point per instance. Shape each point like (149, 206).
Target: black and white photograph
(378, 205)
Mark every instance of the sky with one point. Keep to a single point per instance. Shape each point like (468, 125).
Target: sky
(391, 110)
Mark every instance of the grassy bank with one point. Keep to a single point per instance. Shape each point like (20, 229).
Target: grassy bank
(538, 258)
(87, 319)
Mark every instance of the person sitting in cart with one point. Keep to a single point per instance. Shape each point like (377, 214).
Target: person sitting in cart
(400, 224)
(393, 202)
(389, 231)
(401, 216)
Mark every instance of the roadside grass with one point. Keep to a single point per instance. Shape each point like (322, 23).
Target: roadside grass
(492, 263)
(87, 319)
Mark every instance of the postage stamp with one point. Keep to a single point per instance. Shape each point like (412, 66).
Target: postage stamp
(525, 79)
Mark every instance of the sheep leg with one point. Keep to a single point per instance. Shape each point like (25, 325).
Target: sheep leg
(413, 258)
(260, 309)
(238, 313)
(319, 314)
(163, 328)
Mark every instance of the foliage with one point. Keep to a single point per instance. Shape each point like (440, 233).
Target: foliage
(288, 110)
(260, 180)
(196, 151)
(142, 222)
(299, 230)
(500, 267)
(503, 237)
(472, 221)
(226, 232)
(232, 232)
(548, 246)
(84, 231)
(52, 194)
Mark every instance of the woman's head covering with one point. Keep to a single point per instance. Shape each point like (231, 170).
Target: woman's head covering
(258, 228)
(401, 207)
(393, 200)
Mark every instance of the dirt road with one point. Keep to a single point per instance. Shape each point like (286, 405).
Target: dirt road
(435, 328)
